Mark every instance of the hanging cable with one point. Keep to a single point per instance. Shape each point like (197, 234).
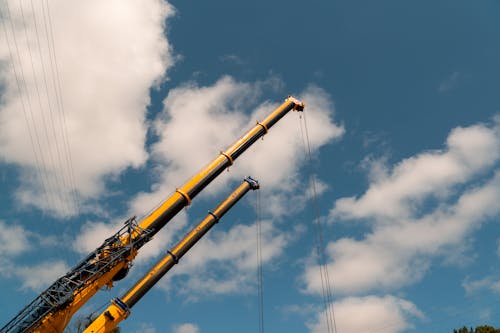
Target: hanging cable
(52, 141)
(20, 78)
(326, 288)
(258, 225)
(54, 181)
(56, 82)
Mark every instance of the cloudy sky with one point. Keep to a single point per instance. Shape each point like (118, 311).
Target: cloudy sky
(107, 106)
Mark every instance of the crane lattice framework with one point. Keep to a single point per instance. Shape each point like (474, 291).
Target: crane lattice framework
(52, 310)
(96, 264)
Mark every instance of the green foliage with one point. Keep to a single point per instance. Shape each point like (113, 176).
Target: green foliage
(479, 329)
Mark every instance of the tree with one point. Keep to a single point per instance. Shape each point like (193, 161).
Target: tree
(479, 329)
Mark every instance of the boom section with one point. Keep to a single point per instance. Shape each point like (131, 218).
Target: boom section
(119, 309)
(52, 310)
(183, 195)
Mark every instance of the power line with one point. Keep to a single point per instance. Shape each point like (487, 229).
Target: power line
(60, 103)
(23, 106)
(57, 161)
(40, 167)
(51, 162)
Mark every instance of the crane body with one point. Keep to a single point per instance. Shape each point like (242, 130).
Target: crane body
(119, 309)
(53, 309)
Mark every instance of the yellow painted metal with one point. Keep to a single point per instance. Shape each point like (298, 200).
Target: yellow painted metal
(56, 321)
(292, 102)
(108, 320)
(113, 315)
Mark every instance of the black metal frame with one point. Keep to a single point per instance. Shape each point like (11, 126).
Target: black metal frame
(60, 294)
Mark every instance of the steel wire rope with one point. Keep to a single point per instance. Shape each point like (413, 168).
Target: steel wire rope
(62, 181)
(258, 224)
(327, 292)
(322, 244)
(46, 186)
(59, 100)
(318, 249)
(328, 317)
(54, 180)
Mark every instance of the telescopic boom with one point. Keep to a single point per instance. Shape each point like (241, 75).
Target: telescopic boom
(52, 310)
(119, 309)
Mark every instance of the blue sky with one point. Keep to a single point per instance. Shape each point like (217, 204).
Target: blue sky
(105, 108)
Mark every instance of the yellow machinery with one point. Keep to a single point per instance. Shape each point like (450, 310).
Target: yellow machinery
(53, 309)
(119, 309)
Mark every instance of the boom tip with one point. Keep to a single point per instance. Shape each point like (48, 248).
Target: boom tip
(254, 184)
(298, 105)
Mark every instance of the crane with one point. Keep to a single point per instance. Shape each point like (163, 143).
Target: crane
(119, 309)
(53, 309)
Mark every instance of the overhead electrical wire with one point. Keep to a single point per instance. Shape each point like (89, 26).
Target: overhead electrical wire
(20, 78)
(23, 105)
(52, 195)
(64, 172)
(326, 288)
(46, 151)
(59, 96)
(57, 160)
(54, 167)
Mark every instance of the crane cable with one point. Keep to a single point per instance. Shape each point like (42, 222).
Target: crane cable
(258, 225)
(326, 288)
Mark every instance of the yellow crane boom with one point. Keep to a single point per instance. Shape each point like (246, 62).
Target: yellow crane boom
(119, 309)
(53, 309)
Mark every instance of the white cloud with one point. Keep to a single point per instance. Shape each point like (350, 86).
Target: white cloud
(198, 122)
(108, 54)
(405, 234)
(186, 328)
(146, 328)
(40, 276)
(93, 233)
(226, 262)
(488, 283)
(400, 192)
(449, 83)
(386, 314)
(14, 240)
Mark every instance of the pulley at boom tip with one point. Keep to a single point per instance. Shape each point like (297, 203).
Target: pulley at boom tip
(254, 184)
(299, 105)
